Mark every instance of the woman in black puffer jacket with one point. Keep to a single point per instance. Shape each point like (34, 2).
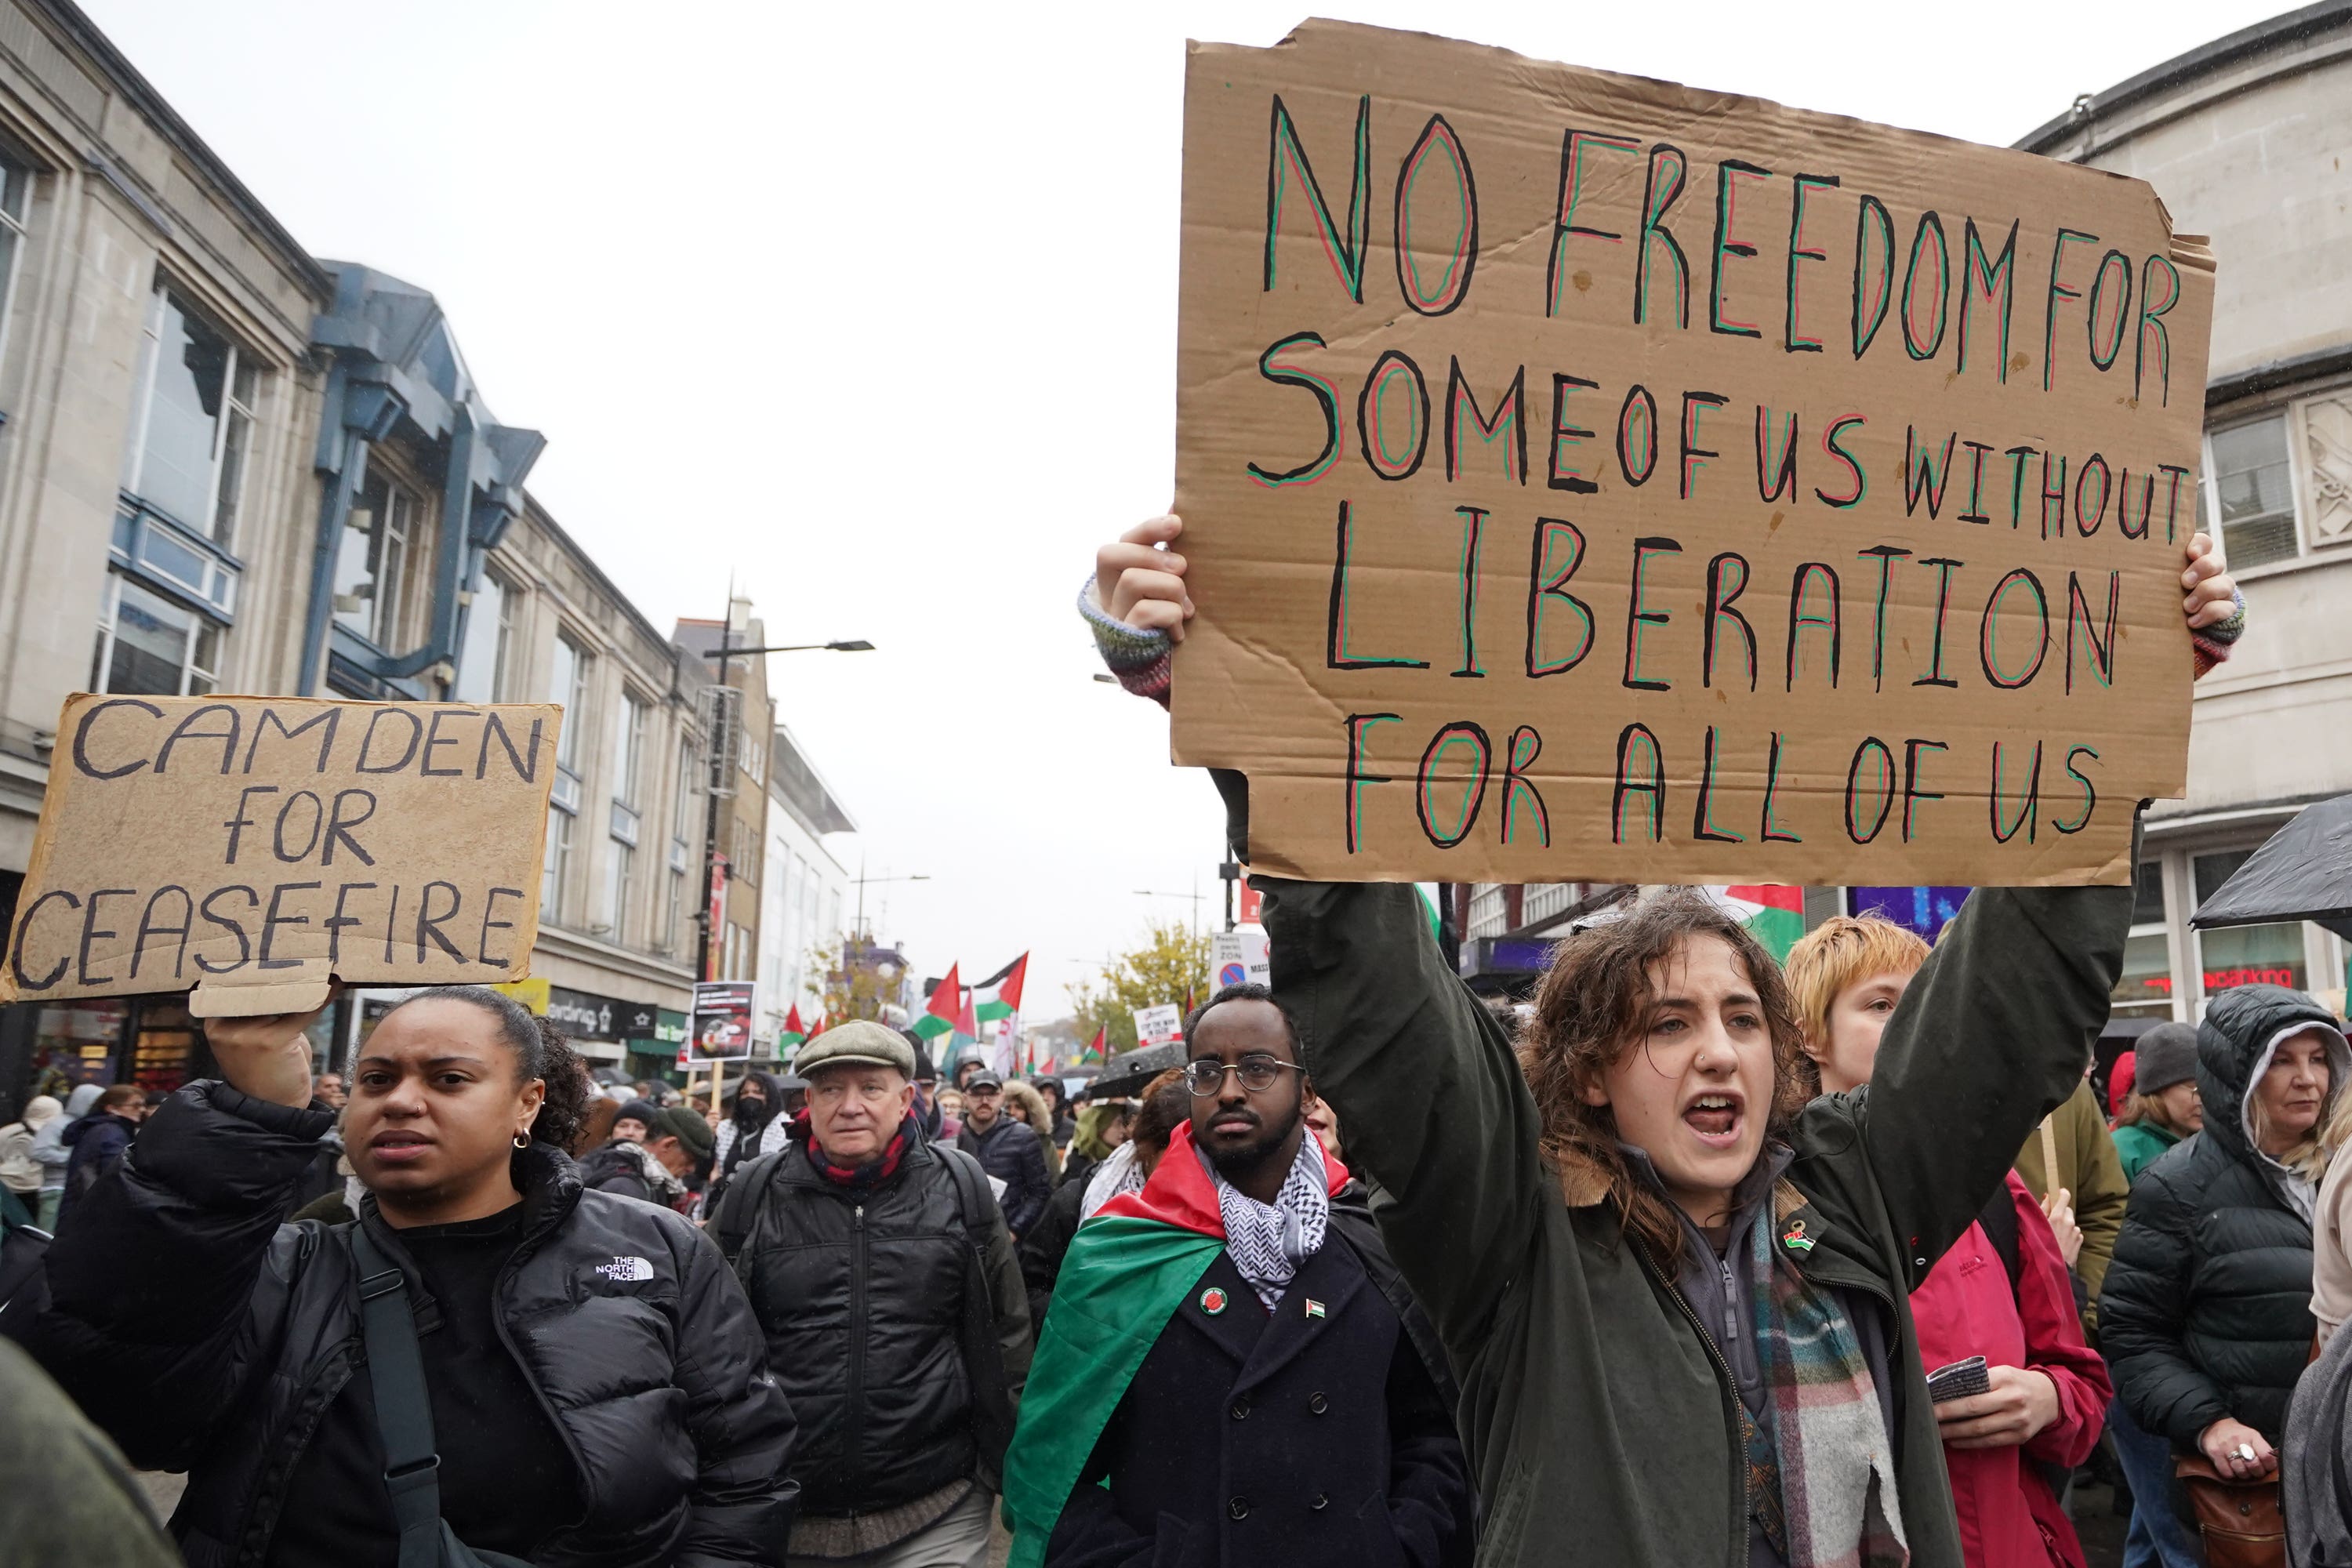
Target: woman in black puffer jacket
(2206, 1314)
(597, 1383)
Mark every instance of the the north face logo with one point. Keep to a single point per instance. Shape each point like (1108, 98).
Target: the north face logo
(626, 1271)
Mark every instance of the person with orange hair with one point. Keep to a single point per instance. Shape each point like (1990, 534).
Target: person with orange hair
(2002, 1291)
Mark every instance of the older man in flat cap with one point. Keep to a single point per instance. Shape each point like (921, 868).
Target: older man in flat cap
(880, 1268)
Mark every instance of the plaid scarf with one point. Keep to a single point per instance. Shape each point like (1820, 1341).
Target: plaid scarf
(1268, 1242)
(873, 1173)
(1821, 1475)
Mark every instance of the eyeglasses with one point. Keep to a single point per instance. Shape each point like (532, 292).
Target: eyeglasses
(1205, 1078)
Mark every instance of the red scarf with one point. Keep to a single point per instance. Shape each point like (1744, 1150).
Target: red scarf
(871, 1174)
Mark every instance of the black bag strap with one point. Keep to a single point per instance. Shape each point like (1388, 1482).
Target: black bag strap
(403, 1411)
(1999, 1218)
(739, 1205)
(994, 1416)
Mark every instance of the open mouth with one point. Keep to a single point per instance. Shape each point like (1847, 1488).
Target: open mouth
(1715, 1118)
(398, 1147)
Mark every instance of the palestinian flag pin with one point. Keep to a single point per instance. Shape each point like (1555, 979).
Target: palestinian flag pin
(1213, 1300)
(1314, 1308)
(1795, 1239)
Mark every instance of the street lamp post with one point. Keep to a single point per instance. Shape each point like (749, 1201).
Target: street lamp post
(725, 652)
(861, 878)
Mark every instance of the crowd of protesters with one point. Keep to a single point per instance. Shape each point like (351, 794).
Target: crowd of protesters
(1698, 1256)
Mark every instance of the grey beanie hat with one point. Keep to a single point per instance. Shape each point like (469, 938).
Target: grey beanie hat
(2163, 1056)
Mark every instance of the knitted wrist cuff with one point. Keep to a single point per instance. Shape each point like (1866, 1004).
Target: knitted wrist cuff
(2225, 632)
(1124, 647)
(1136, 655)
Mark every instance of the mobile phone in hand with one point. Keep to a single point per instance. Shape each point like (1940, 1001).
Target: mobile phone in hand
(1960, 1380)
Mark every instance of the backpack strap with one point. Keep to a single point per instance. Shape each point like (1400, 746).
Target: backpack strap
(993, 1414)
(739, 1205)
(1999, 1220)
(404, 1412)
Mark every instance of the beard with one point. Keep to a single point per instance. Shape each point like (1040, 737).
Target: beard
(1233, 1160)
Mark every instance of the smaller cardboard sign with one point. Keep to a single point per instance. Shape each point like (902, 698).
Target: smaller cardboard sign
(1159, 1025)
(723, 1010)
(1238, 958)
(258, 849)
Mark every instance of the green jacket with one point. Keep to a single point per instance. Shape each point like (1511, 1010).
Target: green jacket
(1600, 1420)
(2138, 1145)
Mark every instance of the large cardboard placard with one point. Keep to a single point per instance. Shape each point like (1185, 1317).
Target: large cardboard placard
(252, 847)
(1589, 477)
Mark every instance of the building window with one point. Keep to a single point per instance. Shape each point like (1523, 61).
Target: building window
(568, 684)
(2145, 989)
(557, 869)
(485, 665)
(377, 562)
(673, 910)
(192, 419)
(629, 742)
(15, 189)
(148, 646)
(743, 851)
(616, 913)
(2232, 956)
(2251, 488)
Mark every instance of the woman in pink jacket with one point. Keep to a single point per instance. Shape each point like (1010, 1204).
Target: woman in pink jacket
(2002, 1292)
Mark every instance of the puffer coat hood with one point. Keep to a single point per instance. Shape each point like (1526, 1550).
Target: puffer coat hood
(2206, 1311)
(2242, 1030)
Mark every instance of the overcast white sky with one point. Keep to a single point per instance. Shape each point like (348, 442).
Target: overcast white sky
(872, 309)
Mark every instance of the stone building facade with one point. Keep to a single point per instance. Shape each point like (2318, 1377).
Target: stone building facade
(2248, 140)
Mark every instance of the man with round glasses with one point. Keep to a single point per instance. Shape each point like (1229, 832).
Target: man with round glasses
(1232, 1371)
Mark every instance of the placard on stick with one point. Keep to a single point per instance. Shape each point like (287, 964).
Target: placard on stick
(1589, 477)
(251, 847)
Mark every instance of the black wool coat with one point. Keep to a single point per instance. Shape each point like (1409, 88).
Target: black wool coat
(1289, 1439)
(2206, 1311)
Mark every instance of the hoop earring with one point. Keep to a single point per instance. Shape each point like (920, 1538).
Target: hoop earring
(522, 1139)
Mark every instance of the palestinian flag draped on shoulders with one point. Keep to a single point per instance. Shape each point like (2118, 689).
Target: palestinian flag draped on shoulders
(1129, 1269)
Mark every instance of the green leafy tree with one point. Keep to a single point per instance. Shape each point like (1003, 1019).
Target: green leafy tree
(1171, 963)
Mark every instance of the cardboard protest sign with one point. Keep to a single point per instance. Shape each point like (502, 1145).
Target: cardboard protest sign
(1586, 477)
(251, 847)
(723, 1010)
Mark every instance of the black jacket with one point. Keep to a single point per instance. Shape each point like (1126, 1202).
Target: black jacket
(861, 1292)
(1046, 1243)
(1011, 1152)
(205, 1335)
(97, 1142)
(1304, 1438)
(2206, 1311)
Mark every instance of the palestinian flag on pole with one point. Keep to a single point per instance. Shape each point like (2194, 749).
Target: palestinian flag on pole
(795, 1031)
(1007, 981)
(1775, 914)
(941, 1016)
(1098, 1053)
(1129, 1269)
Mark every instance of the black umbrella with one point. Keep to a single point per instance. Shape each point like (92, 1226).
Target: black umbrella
(2304, 873)
(1130, 1072)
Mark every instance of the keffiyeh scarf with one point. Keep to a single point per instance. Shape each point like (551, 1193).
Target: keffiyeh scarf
(1822, 1476)
(1268, 1242)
